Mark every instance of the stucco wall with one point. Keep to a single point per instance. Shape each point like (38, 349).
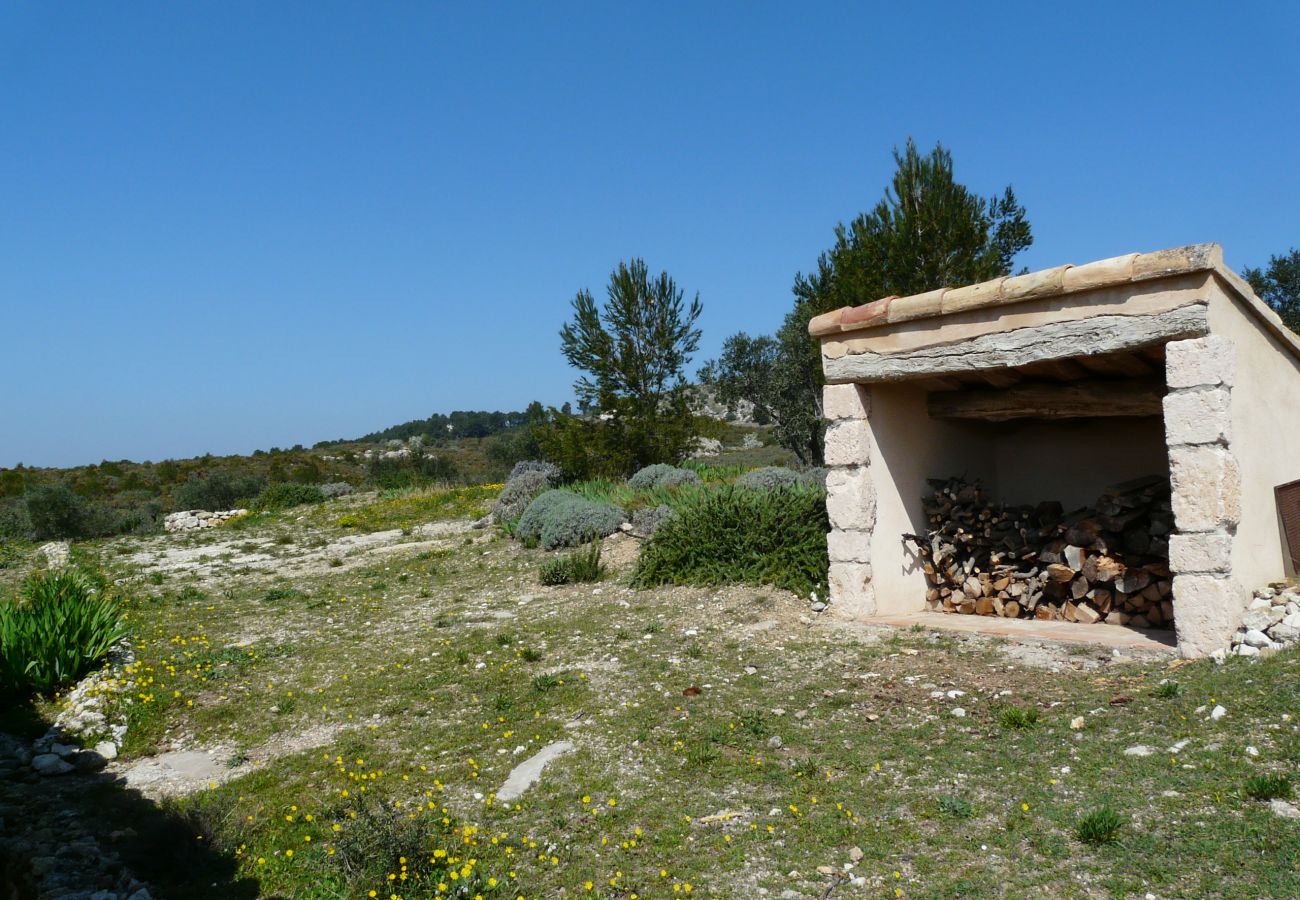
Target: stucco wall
(1075, 460)
(908, 447)
(1265, 426)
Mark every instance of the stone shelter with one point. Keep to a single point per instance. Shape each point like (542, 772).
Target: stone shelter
(1056, 385)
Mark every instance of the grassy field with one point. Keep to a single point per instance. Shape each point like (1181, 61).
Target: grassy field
(366, 673)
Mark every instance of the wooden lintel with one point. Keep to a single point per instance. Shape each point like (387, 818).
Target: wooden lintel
(1045, 400)
(1128, 364)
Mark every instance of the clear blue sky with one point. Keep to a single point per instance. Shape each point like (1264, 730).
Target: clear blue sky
(231, 225)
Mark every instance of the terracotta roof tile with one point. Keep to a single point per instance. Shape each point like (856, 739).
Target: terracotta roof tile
(1052, 282)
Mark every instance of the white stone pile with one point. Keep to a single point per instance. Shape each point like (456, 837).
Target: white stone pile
(189, 519)
(1271, 622)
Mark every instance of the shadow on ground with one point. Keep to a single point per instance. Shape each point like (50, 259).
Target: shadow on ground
(82, 833)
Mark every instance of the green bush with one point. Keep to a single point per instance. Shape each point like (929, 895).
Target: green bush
(218, 490)
(55, 511)
(563, 519)
(738, 536)
(55, 631)
(662, 475)
(578, 567)
(287, 494)
(15, 523)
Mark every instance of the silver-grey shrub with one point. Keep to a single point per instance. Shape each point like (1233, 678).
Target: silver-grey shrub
(336, 489)
(768, 477)
(646, 521)
(520, 491)
(814, 477)
(563, 519)
(551, 471)
(662, 475)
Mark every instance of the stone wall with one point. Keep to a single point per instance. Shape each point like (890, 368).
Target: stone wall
(1206, 492)
(850, 498)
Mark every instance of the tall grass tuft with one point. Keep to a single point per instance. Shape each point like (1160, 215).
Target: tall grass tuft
(55, 631)
(580, 566)
(733, 535)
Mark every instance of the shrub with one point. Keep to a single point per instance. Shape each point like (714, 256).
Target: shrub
(1268, 787)
(1167, 690)
(59, 627)
(769, 477)
(56, 512)
(217, 491)
(738, 536)
(15, 523)
(646, 521)
(578, 567)
(416, 470)
(814, 477)
(334, 489)
(662, 475)
(552, 472)
(520, 491)
(287, 494)
(1101, 826)
(563, 519)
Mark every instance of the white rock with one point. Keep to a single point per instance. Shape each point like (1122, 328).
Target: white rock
(1246, 650)
(1138, 750)
(526, 774)
(1284, 809)
(959, 712)
(1252, 751)
(50, 764)
(106, 749)
(1076, 723)
(1217, 713)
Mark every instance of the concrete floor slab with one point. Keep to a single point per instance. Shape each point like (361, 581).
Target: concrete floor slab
(1152, 640)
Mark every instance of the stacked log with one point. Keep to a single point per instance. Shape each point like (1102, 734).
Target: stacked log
(1107, 562)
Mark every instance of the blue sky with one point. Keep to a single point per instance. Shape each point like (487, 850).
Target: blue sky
(228, 226)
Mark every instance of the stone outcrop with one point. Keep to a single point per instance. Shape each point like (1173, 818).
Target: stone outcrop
(1271, 622)
(190, 519)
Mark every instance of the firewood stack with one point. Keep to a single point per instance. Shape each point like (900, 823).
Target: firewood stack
(1108, 562)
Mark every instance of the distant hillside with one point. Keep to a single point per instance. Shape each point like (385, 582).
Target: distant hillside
(440, 428)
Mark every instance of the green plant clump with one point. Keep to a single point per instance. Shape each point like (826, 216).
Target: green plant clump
(738, 536)
(956, 807)
(578, 567)
(1268, 787)
(563, 519)
(1015, 718)
(59, 626)
(1100, 826)
(286, 494)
